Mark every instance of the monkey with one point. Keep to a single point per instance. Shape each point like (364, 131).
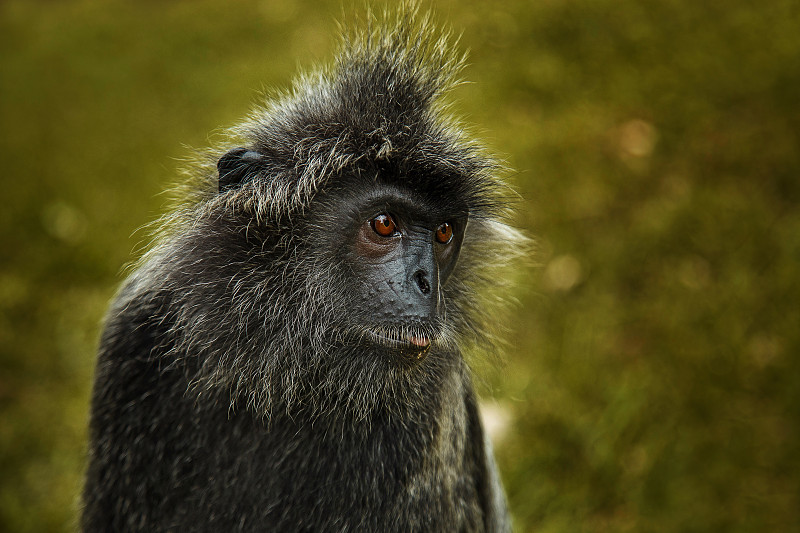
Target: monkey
(291, 352)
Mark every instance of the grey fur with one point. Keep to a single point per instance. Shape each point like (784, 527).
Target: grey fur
(233, 393)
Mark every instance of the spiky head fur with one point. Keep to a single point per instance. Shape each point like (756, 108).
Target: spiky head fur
(255, 310)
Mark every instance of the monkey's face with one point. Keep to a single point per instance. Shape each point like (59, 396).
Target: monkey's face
(395, 249)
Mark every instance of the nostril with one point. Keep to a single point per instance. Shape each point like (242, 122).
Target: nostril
(422, 282)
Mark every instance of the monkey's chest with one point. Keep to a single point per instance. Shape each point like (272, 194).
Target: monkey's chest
(390, 478)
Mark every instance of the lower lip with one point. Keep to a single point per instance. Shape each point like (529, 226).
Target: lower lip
(420, 344)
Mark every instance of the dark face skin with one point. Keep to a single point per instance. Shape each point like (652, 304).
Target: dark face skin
(398, 248)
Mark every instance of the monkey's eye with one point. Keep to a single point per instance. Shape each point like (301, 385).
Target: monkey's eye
(383, 225)
(444, 233)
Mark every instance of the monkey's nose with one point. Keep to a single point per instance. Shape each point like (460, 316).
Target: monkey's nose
(421, 279)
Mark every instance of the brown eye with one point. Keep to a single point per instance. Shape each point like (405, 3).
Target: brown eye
(383, 225)
(444, 233)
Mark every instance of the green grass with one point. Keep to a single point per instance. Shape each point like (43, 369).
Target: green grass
(654, 374)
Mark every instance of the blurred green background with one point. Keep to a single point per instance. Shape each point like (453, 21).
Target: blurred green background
(653, 377)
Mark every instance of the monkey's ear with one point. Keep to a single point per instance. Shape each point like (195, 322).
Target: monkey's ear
(236, 167)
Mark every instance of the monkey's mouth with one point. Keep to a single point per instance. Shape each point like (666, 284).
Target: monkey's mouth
(414, 345)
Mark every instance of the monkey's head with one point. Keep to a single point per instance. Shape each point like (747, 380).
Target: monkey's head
(396, 249)
(341, 257)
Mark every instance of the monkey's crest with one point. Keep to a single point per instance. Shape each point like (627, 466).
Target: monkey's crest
(257, 331)
(380, 101)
